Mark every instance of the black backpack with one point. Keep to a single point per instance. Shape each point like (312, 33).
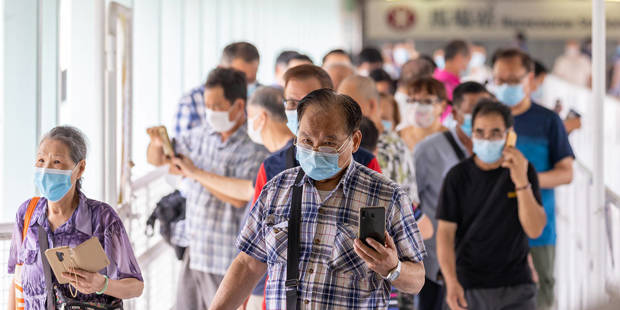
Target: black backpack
(169, 210)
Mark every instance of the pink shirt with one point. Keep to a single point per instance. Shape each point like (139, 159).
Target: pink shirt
(450, 81)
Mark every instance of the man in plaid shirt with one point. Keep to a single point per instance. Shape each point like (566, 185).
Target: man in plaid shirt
(223, 150)
(241, 56)
(336, 270)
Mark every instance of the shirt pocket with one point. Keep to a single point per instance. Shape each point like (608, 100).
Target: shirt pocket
(28, 257)
(276, 241)
(344, 261)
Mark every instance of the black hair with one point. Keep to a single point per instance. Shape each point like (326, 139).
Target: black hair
(233, 83)
(486, 106)
(303, 57)
(539, 68)
(370, 134)
(370, 55)
(285, 57)
(334, 52)
(380, 75)
(243, 50)
(327, 98)
(526, 60)
(466, 88)
(455, 47)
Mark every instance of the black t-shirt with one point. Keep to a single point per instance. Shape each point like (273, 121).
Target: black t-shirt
(495, 252)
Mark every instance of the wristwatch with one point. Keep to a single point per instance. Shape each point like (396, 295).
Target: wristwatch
(394, 274)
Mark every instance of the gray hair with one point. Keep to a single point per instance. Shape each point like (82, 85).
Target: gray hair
(74, 139)
(272, 100)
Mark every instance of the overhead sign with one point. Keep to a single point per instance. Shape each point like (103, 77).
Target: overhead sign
(484, 19)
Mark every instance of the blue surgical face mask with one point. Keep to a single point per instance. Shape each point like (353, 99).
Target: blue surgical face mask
(291, 123)
(53, 184)
(318, 165)
(466, 126)
(488, 151)
(510, 95)
(387, 125)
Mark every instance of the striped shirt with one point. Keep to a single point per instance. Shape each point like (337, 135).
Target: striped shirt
(332, 276)
(211, 224)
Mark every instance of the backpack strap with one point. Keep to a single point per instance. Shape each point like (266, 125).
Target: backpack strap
(455, 147)
(294, 230)
(28, 215)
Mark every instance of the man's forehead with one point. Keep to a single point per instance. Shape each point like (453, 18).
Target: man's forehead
(509, 66)
(323, 120)
(300, 87)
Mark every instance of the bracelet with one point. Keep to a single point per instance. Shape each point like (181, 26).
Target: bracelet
(528, 186)
(105, 286)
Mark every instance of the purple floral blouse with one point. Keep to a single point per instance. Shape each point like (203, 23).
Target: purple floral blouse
(91, 218)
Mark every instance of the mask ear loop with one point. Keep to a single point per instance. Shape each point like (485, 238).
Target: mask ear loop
(72, 289)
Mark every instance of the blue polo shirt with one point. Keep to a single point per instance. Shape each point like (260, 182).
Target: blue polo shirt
(543, 140)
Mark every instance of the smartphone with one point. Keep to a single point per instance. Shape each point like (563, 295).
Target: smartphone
(372, 224)
(511, 139)
(168, 146)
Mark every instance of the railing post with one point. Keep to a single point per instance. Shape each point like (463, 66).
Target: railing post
(596, 232)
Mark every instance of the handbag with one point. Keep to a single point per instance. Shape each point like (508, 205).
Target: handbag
(169, 211)
(66, 303)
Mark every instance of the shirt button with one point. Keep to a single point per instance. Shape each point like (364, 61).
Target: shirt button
(310, 270)
(317, 241)
(306, 301)
(276, 230)
(321, 211)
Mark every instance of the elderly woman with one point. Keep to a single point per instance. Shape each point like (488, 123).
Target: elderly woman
(67, 218)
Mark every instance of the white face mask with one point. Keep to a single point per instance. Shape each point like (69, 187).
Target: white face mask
(401, 55)
(420, 115)
(219, 120)
(255, 135)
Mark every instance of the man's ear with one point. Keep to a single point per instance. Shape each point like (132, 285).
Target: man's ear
(454, 112)
(357, 140)
(373, 103)
(239, 105)
(261, 120)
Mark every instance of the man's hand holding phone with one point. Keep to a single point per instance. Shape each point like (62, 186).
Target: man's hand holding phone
(156, 139)
(517, 163)
(380, 258)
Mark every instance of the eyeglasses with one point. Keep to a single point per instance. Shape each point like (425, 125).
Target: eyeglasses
(494, 135)
(427, 101)
(510, 81)
(291, 104)
(304, 144)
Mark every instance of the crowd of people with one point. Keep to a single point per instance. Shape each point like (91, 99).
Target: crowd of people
(275, 179)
